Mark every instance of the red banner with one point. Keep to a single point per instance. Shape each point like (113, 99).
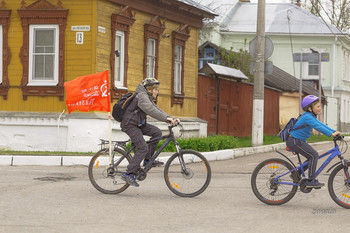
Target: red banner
(88, 93)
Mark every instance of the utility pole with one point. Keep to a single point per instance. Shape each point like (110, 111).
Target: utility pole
(258, 96)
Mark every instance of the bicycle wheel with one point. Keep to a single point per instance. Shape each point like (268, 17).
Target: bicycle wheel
(188, 175)
(339, 187)
(264, 186)
(105, 178)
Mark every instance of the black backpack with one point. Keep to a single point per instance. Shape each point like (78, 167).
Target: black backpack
(121, 105)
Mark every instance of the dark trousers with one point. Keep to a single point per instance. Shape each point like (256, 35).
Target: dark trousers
(143, 151)
(307, 151)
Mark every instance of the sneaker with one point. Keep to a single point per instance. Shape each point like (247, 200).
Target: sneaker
(314, 184)
(156, 163)
(130, 179)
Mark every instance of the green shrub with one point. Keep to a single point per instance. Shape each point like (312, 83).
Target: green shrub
(222, 142)
(211, 143)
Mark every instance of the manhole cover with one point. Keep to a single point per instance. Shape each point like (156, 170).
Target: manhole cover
(55, 178)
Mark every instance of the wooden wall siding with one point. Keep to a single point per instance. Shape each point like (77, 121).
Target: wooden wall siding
(79, 60)
(136, 58)
(94, 56)
(235, 107)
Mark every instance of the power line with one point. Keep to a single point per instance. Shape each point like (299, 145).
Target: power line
(319, 13)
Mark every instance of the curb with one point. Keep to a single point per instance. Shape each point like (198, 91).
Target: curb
(15, 160)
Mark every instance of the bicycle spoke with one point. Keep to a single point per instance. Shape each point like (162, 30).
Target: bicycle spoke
(189, 182)
(339, 187)
(268, 187)
(106, 178)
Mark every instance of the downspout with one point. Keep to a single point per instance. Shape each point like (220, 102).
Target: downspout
(217, 104)
(333, 64)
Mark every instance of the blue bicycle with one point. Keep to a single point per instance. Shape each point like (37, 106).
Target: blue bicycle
(275, 181)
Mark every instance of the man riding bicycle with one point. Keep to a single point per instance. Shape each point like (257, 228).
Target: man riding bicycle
(134, 124)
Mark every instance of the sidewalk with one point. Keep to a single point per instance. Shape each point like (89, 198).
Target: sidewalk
(58, 160)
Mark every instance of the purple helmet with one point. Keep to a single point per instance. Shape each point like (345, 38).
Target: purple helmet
(307, 101)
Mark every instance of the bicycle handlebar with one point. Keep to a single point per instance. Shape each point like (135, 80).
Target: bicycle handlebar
(338, 138)
(176, 124)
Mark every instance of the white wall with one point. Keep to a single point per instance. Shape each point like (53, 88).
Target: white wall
(79, 132)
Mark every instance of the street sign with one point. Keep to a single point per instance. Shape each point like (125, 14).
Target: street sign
(268, 47)
(311, 57)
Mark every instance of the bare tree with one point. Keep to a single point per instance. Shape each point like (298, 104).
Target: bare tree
(337, 12)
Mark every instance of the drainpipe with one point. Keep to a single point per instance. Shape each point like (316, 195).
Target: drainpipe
(333, 64)
(217, 104)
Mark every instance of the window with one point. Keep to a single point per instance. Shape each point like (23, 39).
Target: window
(179, 38)
(178, 69)
(1, 54)
(5, 54)
(346, 67)
(151, 58)
(119, 61)
(43, 55)
(153, 30)
(121, 24)
(43, 51)
(313, 68)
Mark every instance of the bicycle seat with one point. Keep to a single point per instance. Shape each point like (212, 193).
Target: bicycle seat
(288, 149)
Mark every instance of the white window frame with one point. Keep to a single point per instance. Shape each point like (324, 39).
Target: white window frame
(1, 54)
(306, 67)
(151, 58)
(346, 67)
(34, 82)
(121, 59)
(177, 69)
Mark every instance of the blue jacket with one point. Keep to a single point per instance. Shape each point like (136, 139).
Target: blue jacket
(311, 121)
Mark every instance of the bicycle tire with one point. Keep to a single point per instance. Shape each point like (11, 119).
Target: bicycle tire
(338, 187)
(104, 178)
(265, 189)
(195, 181)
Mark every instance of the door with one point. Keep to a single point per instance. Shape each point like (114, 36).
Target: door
(207, 100)
(228, 107)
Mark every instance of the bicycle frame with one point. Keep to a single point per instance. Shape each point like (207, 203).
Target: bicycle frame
(168, 138)
(332, 154)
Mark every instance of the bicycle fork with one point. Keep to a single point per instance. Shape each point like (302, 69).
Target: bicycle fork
(181, 158)
(346, 170)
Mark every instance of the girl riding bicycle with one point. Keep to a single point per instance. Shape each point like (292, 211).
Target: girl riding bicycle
(297, 138)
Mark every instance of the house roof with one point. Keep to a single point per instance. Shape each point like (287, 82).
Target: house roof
(283, 81)
(198, 5)
(227, 72)
(243, 16)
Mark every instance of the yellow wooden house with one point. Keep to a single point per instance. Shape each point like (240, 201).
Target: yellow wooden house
(44, 43)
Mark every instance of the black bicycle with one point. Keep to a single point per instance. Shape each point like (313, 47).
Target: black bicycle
(275, 181)
(187, 173)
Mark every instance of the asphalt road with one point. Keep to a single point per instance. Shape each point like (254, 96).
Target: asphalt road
(61, 199)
